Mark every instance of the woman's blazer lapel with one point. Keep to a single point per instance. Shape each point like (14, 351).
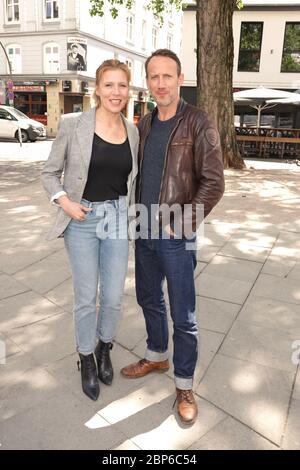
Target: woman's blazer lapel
(85, 134)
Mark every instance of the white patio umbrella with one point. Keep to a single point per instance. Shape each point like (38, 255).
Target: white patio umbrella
(293, 100)
(261, 98)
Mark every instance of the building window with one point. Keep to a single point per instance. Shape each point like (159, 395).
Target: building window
(169, 41)
(154, 37)
(51, 58)
(291, 48)
(129, 64)
(15, 58)
(12, 11)
(129, 27)
(51, 9)
(144, 34)
(250, 47)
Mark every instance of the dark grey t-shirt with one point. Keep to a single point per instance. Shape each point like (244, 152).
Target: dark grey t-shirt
(153, 161)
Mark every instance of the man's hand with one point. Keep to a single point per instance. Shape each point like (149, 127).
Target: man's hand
(169, 230)
(73, 209)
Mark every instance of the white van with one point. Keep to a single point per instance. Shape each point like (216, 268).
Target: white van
(11, 119)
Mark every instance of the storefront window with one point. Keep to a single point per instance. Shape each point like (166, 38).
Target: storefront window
(34, 105)
(285, 120)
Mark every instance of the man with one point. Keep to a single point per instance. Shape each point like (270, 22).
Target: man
(75, 60)
(180, 162)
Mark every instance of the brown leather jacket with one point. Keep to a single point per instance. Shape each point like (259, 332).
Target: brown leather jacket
(193, 169)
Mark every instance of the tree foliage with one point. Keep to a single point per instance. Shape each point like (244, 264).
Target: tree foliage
(158, 7)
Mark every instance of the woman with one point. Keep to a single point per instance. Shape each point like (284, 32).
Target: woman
(97, 151)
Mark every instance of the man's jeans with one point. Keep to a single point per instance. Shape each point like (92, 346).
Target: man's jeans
(98, 250)
(155, 261)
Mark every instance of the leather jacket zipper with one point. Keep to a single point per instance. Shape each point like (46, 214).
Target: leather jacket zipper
(166, 157)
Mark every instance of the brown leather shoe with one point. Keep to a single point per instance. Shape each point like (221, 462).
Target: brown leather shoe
(186, 406)
(143, 367)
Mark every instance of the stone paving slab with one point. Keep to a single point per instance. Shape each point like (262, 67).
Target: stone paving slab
(16, 257)
(263, 238)
(243, 250)
(15, 366)
(215, 315)
(46, 274)
(50, 339)
(206, 253)
(275, 314)
(260, 344)
(231, 434)
(292, 434)
(10, 287)
(62, 295)
(296, 391)
(24, 309)
(256, 395)
(224, 266)
(10, 348)
(223, 288)
(34, 387)
(60, 422)
(285, 290)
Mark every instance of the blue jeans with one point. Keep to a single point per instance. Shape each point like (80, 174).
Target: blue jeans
(98, 254)
(157, 260)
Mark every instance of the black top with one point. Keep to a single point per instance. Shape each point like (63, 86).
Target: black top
(109, 168)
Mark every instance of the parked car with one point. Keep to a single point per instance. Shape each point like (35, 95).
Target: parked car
(11, 119)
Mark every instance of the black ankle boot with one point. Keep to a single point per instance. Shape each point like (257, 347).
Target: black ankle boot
(90, 384)
(105, 370)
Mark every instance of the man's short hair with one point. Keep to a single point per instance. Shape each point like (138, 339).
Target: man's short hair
(74, 45)
(164, 53)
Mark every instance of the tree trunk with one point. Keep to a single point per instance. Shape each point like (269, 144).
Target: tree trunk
(214, 72)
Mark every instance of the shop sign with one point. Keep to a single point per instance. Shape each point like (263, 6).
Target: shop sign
(28, 88)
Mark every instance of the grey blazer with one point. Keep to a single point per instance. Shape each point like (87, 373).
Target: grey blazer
(70, 154)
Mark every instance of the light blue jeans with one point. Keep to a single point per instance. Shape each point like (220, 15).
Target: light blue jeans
(98, 252)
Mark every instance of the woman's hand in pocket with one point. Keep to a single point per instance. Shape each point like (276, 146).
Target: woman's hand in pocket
(73, 209)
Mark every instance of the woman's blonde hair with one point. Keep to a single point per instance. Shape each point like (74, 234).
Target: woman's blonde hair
(112, 64)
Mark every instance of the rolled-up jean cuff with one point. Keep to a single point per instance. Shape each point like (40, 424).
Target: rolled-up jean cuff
(84, 353)
(183, 384)
(156, 356)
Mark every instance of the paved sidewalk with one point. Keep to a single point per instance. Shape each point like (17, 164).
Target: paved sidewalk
(248, 305)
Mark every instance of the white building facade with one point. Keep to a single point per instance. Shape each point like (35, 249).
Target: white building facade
(266, 46)
(55, 47)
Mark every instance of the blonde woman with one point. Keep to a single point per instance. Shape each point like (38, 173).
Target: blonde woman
(97, 151)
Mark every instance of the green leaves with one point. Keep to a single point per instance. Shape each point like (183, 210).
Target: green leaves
(97, 6)
(158, 7)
